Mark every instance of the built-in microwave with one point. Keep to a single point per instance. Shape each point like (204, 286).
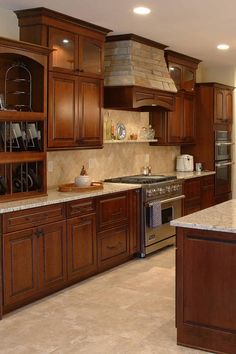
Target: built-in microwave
(223, 145)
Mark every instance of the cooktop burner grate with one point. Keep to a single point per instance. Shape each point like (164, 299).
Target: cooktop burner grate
(141, 179)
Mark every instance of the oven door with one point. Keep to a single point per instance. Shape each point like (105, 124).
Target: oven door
(170, 209)
(223, 177)
(223, 150)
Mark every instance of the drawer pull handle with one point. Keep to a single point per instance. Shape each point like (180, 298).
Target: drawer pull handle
(38, 218)
(117, 213)
(39, 232)
(115, 247)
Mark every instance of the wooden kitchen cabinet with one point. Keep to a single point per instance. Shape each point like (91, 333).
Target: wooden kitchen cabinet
(33, 253)
(214, 102)
(33, 261)
(223, 106)
(192, 192)
(199, 193)
(23, 82)
(75, 111)
(76, 76)
(178, 127)
(135, 219)
(207, 191)
(117, 225)
(113, 247)
(82, 247)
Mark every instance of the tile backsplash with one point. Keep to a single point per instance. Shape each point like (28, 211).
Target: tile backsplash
(114, 159)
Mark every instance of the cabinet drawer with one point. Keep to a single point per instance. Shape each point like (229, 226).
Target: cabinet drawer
(24, 219)
(112, 211)
(207, 181)
(80, 207)
(113, 247)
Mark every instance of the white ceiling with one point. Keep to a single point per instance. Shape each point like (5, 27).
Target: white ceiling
(188, 26)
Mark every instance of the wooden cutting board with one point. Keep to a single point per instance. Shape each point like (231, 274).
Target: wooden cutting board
(71, 187)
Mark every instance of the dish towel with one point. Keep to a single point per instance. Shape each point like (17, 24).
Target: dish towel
(155, 215)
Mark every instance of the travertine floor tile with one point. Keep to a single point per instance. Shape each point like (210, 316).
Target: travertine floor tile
(127, 310)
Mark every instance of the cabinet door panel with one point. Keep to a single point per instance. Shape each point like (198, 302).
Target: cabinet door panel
(112, 211)
(228, 106)
(219, 106)
(134, 220)
(19, 266)
(188, 79)
(188, 118)
(113, 247)
(82, 249)
(63, 45)
(91, 56)
(175, 122)
(90, 127)
(52, 254)
(63, 110)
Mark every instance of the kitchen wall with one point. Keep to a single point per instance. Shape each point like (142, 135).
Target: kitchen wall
(115, 159)
(119, 159)
(8, 24)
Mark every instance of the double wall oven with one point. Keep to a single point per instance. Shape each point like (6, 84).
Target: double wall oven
(223, 162)
(162, 200)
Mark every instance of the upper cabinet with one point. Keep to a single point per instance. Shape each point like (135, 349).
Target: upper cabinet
(75, 76)
(223, 106)
(182, 70)
(75, 53)
(178, 127)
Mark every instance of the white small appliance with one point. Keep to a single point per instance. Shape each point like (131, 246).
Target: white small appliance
(184, 163)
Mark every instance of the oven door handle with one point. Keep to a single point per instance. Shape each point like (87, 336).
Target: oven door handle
(173, 199)
(223, 164)
(167, 200)
(219, 143)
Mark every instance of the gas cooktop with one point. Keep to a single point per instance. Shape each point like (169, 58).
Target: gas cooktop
(141, 179)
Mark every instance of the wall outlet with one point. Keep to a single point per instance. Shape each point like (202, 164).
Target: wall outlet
(50, 166)
(91, 163)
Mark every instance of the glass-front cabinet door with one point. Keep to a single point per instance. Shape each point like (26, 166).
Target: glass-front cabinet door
(90, 56)
(188, 80)
(63, 44)
(176, 74)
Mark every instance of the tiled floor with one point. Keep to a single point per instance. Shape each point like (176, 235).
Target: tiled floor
(129, 309)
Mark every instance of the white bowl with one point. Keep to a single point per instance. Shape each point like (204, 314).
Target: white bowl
(82, 181)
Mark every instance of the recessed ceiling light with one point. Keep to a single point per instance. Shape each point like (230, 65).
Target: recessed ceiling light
(223, 46)
(65, 40)
(141, 10)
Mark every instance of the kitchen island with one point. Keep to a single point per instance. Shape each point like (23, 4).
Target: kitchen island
(205, 279)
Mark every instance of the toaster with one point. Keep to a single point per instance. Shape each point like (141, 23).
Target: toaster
(184, 163)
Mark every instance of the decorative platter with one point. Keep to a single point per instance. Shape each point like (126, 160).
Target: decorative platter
(71, 187)
(120, 131)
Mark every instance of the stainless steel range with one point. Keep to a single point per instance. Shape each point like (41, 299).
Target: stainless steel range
(161, 202)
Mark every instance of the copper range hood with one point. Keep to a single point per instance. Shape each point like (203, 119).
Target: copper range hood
(136, 75)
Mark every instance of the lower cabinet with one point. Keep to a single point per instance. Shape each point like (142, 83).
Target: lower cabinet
(50, 247)
(33, 260)
(82, 247)
(199, 193)
(113, 247)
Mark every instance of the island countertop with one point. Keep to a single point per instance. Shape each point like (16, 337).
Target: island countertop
(220, 217)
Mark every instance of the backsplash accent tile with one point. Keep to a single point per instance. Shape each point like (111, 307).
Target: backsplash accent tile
(114, 159)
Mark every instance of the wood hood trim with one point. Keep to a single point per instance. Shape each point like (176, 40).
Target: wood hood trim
(138, 98)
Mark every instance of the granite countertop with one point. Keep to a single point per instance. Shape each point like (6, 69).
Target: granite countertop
(193, 174)
(221, 217)
(55, 197)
